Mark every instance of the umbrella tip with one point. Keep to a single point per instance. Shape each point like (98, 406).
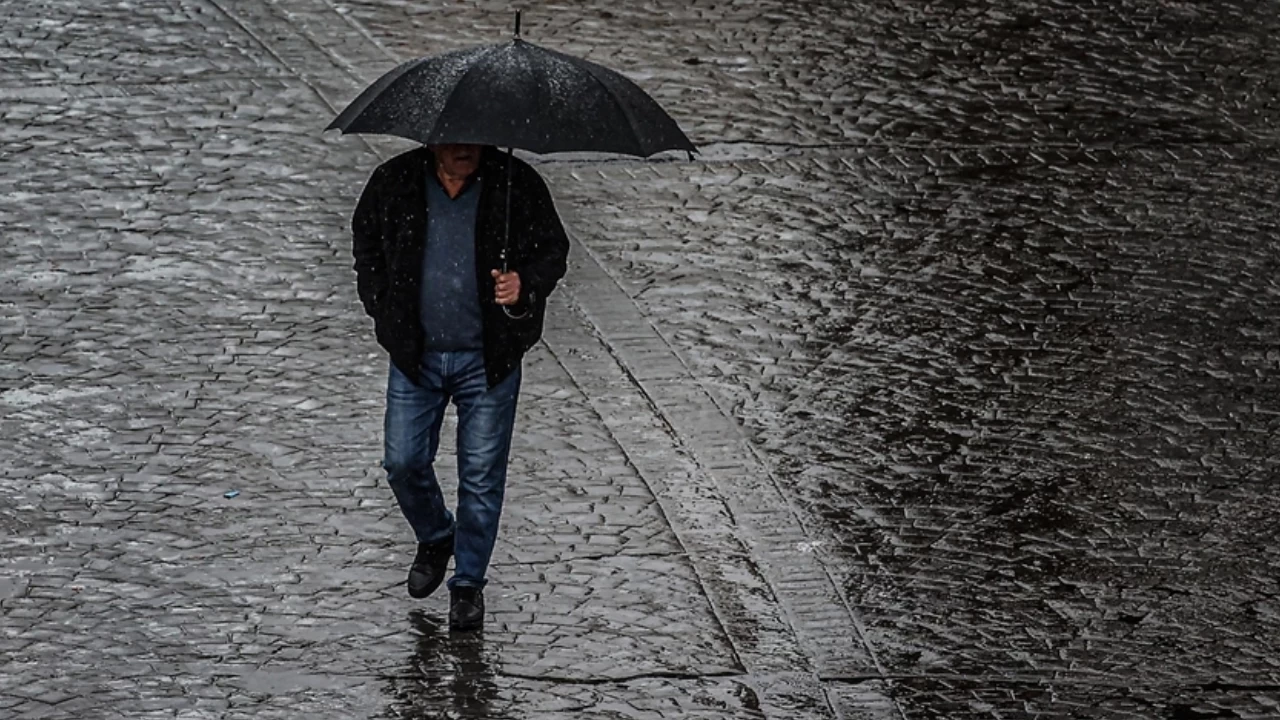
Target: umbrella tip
(517, 23)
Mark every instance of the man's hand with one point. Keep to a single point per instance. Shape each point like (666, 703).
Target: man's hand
(506, 287)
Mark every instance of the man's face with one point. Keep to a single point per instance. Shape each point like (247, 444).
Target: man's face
(457, 160)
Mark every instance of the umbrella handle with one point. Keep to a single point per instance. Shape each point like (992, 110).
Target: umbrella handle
(506, 230)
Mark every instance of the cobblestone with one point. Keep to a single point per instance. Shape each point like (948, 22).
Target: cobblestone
(1071, 411)
(876, 71)
(941, 385)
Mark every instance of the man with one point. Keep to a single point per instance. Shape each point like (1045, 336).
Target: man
(428, 239)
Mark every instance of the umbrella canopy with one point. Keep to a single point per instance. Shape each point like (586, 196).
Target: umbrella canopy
(515, 94)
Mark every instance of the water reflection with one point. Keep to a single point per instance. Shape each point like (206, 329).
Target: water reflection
(447, 676)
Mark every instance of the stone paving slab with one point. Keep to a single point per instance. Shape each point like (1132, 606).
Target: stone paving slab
(65, 42)
(760, 615)
(986, 697)
(300, 577)
(742, 492)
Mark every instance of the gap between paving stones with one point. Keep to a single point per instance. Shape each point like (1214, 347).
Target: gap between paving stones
(1080, 679)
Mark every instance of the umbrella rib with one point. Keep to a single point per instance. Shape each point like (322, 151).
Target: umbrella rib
(631, 121)
(370, 95)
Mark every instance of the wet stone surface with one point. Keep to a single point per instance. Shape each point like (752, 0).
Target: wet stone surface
(1075, 410)
(877, 71)
(967, 409)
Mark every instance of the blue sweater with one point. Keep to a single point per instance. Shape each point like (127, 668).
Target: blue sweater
(450, 303)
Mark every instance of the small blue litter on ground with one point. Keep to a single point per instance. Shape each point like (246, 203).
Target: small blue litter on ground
(230, 494)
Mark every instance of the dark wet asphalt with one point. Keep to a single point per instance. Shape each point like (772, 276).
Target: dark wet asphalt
(989, 289)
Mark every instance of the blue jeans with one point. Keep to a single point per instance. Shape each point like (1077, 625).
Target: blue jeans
(486, 417)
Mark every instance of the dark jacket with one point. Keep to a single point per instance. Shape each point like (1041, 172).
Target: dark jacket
(389, 227)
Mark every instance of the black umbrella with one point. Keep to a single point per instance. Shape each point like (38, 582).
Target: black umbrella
(514, 95)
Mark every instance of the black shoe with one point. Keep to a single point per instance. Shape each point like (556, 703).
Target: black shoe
(428, 568)
(466, 609)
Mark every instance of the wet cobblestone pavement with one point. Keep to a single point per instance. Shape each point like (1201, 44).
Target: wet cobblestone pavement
(941, 385)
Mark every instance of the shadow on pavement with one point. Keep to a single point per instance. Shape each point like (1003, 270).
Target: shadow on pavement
(447, 675)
